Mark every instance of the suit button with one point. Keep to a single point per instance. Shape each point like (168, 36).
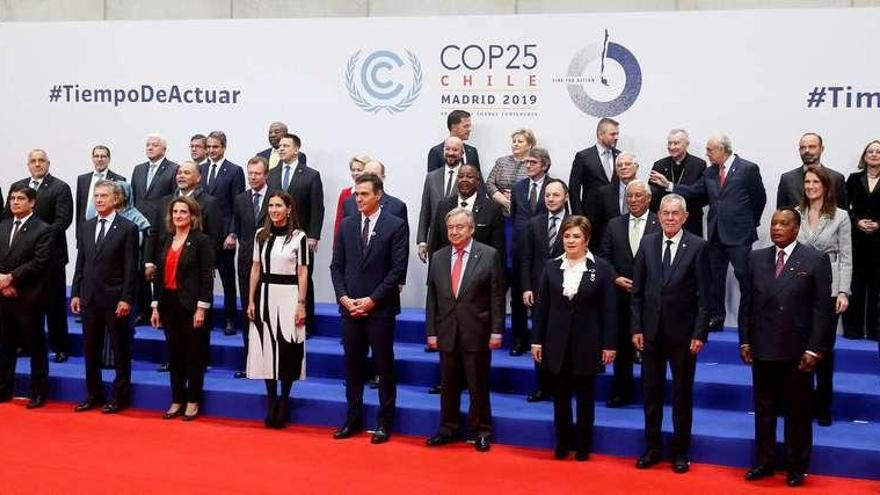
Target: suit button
(781, 308)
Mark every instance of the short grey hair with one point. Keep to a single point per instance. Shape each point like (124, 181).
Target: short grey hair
(639, 183)
(625, 154)
(724, 141)
(461, 211)
(158, 137)
(683, 132)
(674, 197)
(190, 163)
(541, 154)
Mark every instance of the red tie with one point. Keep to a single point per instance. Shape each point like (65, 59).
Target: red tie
(456, 271)
(722, 174)
(780, 262)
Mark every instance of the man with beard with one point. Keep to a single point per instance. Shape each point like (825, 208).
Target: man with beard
(790, 192)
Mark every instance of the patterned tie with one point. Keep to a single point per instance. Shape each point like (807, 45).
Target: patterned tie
(365, 233)
(15, 227)
(449, 184)
(212, 175)
(667, 260)
(634, 234)
(533, 197)
(256, 201)
(780, 262)
(101, 232)
(551, 233)
(35, 185)
(456, 271)
(285, 182)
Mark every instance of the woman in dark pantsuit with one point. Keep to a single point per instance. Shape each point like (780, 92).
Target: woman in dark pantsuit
(575, 333)
(183, 294)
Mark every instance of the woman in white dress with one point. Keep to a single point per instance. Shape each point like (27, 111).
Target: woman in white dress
(276, 307)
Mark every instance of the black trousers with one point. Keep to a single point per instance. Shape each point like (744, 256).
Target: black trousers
(225, 262)
(22, 322)
(825, 373)
(457, 367)
(570, 435)
(244, 282)
(96, 321)
(622, 385)
(861, 317)
(719, 257)
(359, 335)
(683, 365)
(56, 308)
(771, 381)
(188, 349)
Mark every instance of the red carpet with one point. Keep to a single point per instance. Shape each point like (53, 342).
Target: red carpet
(54, 450)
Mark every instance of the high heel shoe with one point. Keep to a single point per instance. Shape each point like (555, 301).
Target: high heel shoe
(282, 412)
(173, 411)
(193, 415)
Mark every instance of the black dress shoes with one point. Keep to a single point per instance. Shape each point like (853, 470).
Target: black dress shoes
(380, 435)
(582, 455)
(239, 374)
(347, 431)
(617, 401)
(560, 453)
(481, 444)
(517, 350)
(229, 329)
(87, 405)
(5, 398)
(648, 459)
(36, 401)
(374, 383)
(681, 464)
(111, 407)
(758, 472)
(795, 479)
(538, 396)
(434, 390)
(428, 349)
(59, 357)
(439, 439)
(823, 419)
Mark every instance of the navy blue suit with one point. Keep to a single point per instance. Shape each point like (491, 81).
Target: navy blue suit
(389, 204)
(521, 213)
(437, 160)
(587, 175)
(375, 271)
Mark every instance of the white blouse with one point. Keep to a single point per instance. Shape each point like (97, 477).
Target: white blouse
(572, 273)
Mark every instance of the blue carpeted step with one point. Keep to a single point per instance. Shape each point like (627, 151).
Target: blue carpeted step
(722, 437)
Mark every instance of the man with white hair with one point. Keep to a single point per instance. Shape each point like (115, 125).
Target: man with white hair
(680, 167)
(609, 201)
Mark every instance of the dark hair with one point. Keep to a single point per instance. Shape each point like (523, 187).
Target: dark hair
(260, 159)
(372, 179)
(292, 219)
(199, 137)
(862, 164)
(468, 165)
(577, 221)
(815, 135)
(101, 147)
(25, 189)
(195, 211)
(605, 121)
(219, 136)
(455, 117)
(793, 211)
(556, 181)
(294, 137)
(541, 154)
(829, 200)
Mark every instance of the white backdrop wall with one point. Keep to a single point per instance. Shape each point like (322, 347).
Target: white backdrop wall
(744, 73)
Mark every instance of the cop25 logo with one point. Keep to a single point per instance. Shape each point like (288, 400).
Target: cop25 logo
(604, 79)
(383, 81)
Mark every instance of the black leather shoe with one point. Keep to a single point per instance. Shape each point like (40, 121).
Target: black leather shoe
(581, 455)
(538, 396)
(164, 368)
(795, 479)
(239, 374)
(36, 402)
(87, 405)
(5, 398)
(517, 351)
(617, 401)
(681, 464)
(758, 472)
(823, 419)
(347, 431)
(560, 453)
(438, 440)
(434, 390)
(481, 444)
(59, 357)
(380, 435)
(716, 323)
(648, 459)
(374, 383)
(111, 407)
(229, 328)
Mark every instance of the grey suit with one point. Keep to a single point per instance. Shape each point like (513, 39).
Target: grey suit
(432, 194)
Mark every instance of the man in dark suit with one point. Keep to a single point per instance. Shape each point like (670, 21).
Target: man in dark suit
(465, 321)
(790, 192)
(304, 185)
(25, 249)
(670, 288)
(619, 246)
(224, 180)
(198, 149)
(735, 193)
(103, 291)
(541, 243)
(784, 319)
(594, 166)
(85, 183)
(459, 124)
(369, 264)
(388, 203)
(684, 168)
(248, 215)
(276, 131)
(610, 200)
(439, 183)
(55, 207)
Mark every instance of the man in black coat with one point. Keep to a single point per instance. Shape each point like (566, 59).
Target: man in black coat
(790, 192)
(593, 167)
(488, 219)
(459, 124)
(619, 246)
(784, 319)
(610, 200)
(680, 167)
(103, 292)
(25, 250)
(55, 207)
(670, 290)
(85, 183)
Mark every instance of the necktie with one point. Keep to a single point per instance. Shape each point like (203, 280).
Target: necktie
(213, 174)
(780, 262)
(365, 233)
(151, 174)
(606, 164)
(15, 227)
(722, 174)
(551, 233)
(449, 184)
(256, 201)
(667, 259)
(35, 185)
(533, 197)
(634, 235)
(623, 208)
(456, 271)
(286, 180)
(274, 158)
(101, 231)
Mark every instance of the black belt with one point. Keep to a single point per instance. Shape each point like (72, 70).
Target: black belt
(272, 278)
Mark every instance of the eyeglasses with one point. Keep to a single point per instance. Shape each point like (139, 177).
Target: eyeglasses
(873, 151)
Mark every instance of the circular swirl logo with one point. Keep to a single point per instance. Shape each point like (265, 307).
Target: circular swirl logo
(383, 80)
(604, 80)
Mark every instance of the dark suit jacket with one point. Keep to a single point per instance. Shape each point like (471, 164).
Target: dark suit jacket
(432, 193)
(791, 188)
(583, 326)
(228, 183)
(106, 274)
(147, 198)
(604, 205)
(690, 171)
(195, 270)
(519, 203)
(615, 243)
(376, 271)
(308, 194)
(389, 204)
(488, 220)
(27, 258)
(735, 209)
(587, 174)
(436, 159)
(780, 318)
(466, 323)
(244, 226)
(55, 207)
(536, 250)
(863, 205)
(211, 223)
(679, 305)
(301, 157)
(83, 182)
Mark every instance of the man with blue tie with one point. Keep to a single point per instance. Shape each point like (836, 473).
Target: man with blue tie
(369, 264)
(85, 185)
